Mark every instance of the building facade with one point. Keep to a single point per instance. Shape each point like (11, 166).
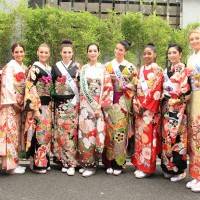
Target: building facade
(179, 13)
(167, 9)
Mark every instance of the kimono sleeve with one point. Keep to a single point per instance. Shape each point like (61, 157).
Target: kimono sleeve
(185, 86)
(107, 93)
(8, 95)
(130, 89)
(153, 97)
(32, 99)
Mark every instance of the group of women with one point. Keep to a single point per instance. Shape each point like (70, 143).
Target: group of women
(82, 114)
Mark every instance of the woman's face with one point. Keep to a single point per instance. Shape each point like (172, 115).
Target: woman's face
(67, 53)
(18, 54)
(148, 56)
(194, 40)
(43, 54)
(119, 51)
(93, 53)
(174, 56)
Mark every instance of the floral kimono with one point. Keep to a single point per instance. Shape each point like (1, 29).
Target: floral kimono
(66, 104)
(38, 121)
(96, 95)
(146, 106)
(12, 93)
(176, 92)
(194, 116)
(124, 76)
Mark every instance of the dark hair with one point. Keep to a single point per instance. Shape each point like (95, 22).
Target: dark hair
(17, 44)
(126, 44)
(88, 46)
(176, 46)
(151, 46)
(66, 43)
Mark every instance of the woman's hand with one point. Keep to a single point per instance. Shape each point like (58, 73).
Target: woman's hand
(20, 99)
(17, 108)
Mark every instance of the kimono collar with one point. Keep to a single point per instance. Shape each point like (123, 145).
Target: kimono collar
(44, 67)
(151, 66)
(67, 65)
(196, 53)
(96, 65)
(15, 63)
(123, 63)
(177, 67)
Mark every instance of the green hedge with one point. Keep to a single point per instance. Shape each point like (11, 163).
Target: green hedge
(52, 25)
(6, 25)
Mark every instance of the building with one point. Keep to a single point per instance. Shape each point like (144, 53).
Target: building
(167, 9)
(178, 13)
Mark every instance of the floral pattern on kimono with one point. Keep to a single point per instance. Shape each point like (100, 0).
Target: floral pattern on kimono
(193, 66)
(176, 92)
(12, 93)
(39, 116)
(117, 131)
(96, 95)
(65, 115)
(146, 106)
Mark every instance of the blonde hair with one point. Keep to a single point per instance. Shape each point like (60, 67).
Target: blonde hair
(196, 30)
(44, 45)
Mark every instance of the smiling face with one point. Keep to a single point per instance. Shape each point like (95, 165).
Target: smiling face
(120, 52)
(67, 54)
(43, 54)
(174, 56)
(18, 54)
(194, 40)
(93, 53)
(149, 56)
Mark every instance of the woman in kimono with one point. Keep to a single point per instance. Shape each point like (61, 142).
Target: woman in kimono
(66, 103)
(124, 76)
(193, 66)
(38, 107)
(146, 107)
(96, 95)
(12, 99)
(176, 93)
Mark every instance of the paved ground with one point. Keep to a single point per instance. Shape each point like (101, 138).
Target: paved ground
(58, 186)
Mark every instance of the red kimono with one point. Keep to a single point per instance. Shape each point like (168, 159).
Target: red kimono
(146, 107)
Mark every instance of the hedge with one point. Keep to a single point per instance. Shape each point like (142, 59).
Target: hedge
(52, 25)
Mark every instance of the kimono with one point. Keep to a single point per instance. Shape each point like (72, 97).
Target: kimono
(12, 94)
(124, 76)
(66, 105)
(176, 92)
(39, 116)
(194, 116)
(146, 107)
(96, 95)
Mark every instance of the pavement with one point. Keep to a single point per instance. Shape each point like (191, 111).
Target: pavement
(58, 186)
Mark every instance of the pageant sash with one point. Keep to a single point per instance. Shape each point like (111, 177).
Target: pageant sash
(46, 68)
(69, 81)
(144, 85)
(84, 86)
(117, 71)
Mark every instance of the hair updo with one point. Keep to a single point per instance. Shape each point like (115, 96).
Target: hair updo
(151, 46)
(66, 43)
(126, 44)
